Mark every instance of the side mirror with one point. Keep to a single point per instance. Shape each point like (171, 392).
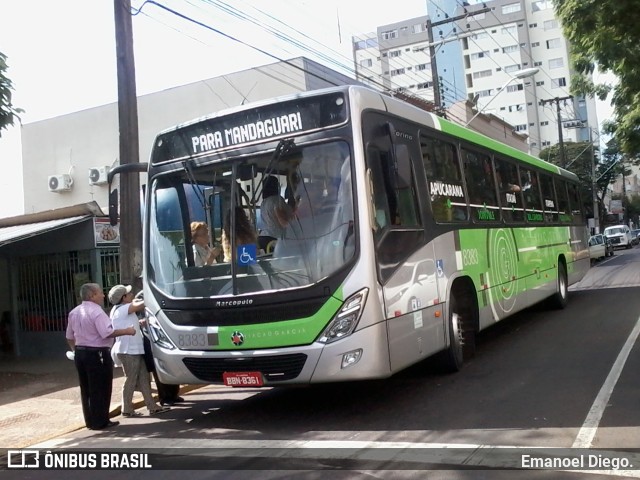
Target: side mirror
(113, 207)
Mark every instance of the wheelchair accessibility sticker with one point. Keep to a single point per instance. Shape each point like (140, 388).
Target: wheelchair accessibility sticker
(246, 254)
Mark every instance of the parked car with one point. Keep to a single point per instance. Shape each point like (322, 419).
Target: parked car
(599, 247)
(635, 236)
(620, 235)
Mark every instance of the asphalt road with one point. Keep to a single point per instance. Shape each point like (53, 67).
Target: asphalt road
(545, 383)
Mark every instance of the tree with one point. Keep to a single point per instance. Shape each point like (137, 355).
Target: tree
(8, 113)
(606, 33)
(633, 210)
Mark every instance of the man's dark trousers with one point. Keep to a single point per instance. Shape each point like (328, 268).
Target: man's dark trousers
(95, 372)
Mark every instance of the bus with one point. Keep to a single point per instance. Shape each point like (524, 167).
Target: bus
(407, 235)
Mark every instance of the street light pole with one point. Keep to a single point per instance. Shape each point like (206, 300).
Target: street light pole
(520, 74)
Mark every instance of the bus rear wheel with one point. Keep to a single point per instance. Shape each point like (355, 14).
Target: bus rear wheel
(461, 335)
(559, 299)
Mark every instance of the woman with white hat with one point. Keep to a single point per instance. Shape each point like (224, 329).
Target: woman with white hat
(130, 352)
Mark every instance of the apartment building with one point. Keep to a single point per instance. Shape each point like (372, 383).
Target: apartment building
(497, 46)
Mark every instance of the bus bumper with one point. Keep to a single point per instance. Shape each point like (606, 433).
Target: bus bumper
(362, 355)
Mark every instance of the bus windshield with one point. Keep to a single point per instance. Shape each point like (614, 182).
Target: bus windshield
(282, 219)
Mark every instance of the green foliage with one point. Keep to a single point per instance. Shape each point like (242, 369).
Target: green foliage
(633, 209)
(8, 113)
(606, 33)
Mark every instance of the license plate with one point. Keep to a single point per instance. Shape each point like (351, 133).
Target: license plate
(242, 379)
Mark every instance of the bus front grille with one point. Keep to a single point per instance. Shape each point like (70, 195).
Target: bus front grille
(273, 367)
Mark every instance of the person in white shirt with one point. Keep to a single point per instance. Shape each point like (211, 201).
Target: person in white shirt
(275, 213)
(129, 352)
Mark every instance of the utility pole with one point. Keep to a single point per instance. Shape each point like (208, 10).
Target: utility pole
(130, 224)
(625, 217)
(594, 186)
(437, 97)
(557, 101)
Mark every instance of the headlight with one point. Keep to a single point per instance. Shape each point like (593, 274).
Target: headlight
(157, 333)
(346, 320)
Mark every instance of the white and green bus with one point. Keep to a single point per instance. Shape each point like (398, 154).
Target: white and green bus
(406, 234)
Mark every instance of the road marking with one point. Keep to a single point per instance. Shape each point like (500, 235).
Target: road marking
(590, 425)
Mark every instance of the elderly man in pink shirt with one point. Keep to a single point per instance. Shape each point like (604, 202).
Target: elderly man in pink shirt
(90, 335)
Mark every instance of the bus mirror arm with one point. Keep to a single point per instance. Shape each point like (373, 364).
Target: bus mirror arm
(139, 167)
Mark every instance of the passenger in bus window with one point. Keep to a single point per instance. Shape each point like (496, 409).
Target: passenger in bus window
(275, 214)
(245, 233)
(505, 179)
(203, 254)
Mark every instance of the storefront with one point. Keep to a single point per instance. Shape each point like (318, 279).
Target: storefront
(44, 258)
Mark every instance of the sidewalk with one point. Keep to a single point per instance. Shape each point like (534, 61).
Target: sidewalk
(40, 399)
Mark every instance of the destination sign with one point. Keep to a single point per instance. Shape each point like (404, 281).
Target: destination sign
(263, 123)
(248, 132)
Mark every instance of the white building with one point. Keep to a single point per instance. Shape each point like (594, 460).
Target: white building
(510, 36)
(60, 242)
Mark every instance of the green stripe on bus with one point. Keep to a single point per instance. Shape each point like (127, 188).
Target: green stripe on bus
(301, 331)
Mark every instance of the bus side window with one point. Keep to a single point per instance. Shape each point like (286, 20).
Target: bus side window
(394, 190)
(481, 187)
(444, 180)
(383, 202)
(550, 203)
(510, 191)
(564, 210)
(531, 192)
(575, 204)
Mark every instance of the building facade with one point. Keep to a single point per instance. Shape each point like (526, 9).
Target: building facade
(498, 41)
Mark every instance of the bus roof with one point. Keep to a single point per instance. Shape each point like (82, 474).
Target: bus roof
(497, 146)
(397, 107)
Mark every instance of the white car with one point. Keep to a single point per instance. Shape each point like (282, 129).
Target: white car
(619, 235)
(599, 247)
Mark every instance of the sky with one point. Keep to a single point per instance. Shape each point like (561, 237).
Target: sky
(61, 54)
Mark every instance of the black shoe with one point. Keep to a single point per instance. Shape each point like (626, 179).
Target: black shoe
(108, 425)
(171, 402)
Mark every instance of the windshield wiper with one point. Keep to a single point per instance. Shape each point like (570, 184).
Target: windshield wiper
(284, 147)
(188, 168)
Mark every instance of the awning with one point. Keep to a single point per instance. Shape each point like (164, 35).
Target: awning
(20, 232)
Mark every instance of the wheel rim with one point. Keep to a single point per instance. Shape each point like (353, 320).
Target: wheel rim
(562, 284)
(457, 336)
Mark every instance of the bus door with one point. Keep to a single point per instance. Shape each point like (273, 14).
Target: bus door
(406, 268)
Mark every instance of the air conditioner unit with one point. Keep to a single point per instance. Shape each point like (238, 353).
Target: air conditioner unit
(98, 175)
(60, 183)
